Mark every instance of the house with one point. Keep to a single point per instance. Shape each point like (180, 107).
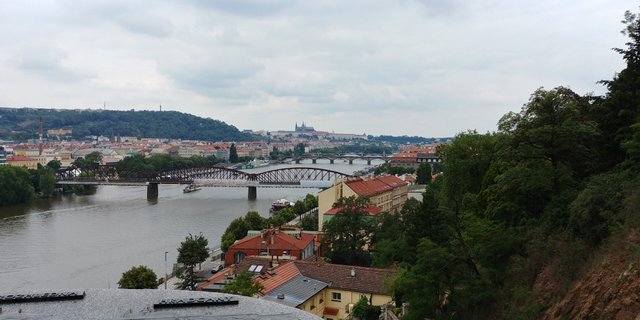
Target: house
(326, 290)
(23, 161)
(273, 243)
(389, 193)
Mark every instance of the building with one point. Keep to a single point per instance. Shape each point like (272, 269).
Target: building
(389, 193)
(304, 129)
(23, 161)
(143, 304)
(323, 289)
(3, 156)
(273, 243)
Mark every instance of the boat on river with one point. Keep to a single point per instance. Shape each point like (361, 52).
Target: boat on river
(191, 188)
(256, 163)
(279, 205)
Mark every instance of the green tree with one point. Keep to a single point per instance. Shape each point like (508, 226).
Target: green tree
(310, 201)
(423, 174)
(192, 251)
(46, 181)
(243, 285)
(15, 185)
(233, 154)
(140, 277)
(239, 227)
(298, 150)
(309, 223)
(54, 165)
(349, 232)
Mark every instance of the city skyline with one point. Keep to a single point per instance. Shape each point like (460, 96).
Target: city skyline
(426, 68)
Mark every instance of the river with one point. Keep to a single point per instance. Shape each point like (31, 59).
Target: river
(89, 241)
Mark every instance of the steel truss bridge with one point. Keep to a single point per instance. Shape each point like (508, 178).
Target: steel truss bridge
(348, 157)
(201, 176)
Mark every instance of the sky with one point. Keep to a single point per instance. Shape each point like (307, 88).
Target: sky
(431, 68)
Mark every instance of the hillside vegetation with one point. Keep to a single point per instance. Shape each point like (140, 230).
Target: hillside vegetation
(20, 124)
(538, 220)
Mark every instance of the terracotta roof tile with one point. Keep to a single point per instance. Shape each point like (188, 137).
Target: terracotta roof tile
(278, 276)
(372, 210)
(366, 280)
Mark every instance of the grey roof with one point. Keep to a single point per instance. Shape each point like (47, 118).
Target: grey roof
(116, 304)
(296, 291)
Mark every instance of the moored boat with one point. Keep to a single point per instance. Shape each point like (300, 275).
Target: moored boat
(191, 188)
(279, 205)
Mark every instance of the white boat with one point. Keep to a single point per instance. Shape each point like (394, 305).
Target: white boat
(191, 188)
(255, 163)
(279, 205)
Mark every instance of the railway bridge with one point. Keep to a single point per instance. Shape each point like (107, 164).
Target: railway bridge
(213, 176)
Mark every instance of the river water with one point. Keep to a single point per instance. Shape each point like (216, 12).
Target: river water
(89, 241)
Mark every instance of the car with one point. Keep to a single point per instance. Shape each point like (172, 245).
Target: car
(217, 268)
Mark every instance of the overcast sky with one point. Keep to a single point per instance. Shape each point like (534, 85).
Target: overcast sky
(414, 67)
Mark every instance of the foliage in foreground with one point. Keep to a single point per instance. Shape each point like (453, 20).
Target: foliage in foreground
(243, 285)
(140, 277)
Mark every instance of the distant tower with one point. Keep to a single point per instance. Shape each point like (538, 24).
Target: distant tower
(104, 105)
(161, 107)
(40, 146)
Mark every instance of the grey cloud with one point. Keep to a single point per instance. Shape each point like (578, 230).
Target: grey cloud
(47, 62)
(247, 7)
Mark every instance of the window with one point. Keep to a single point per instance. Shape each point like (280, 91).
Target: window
(321, 300)
(336, 296)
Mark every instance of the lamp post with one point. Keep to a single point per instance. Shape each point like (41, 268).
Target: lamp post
(166, 277)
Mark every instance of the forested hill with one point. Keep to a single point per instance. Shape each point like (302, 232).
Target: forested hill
(20, 124)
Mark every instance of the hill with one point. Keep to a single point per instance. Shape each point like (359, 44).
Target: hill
(21, 124)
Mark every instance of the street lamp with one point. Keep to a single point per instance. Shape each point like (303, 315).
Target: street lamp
(166, 277)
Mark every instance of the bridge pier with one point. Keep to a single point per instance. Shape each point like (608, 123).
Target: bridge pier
(350, 161)
(253, 193)
(313, 161)
(297, 161)
(331, 161)
(369, 162)
(152, 191)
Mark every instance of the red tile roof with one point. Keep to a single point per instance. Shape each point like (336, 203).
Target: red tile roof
(375, 186)
(274, 239)
(365, 280)
(372, 210)
(20, 158)
(278, 276)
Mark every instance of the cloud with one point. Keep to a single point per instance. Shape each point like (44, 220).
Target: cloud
(47, 62)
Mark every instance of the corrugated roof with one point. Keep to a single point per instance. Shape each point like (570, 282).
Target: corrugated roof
(296, 291)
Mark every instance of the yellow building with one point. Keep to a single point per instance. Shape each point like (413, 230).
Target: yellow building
(22, 161)
(389, 193)
(326, 290)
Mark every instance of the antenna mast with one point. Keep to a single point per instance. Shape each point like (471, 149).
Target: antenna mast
(40, 146)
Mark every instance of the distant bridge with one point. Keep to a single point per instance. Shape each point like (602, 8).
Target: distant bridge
(349, 157)
(202, 176)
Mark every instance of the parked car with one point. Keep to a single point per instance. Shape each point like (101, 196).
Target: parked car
(217, 268)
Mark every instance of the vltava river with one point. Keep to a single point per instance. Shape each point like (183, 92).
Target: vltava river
(88, 241)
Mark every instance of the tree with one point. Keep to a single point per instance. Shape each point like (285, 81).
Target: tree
(233, 154)
(423, 174)
(621, 106)
(46, 181)
(192, 251)
(15, 185)
(349, 232)
(310, 201)
(243, 285)
(140, 277)
(54, 165)
(309, 223)
(298, 150)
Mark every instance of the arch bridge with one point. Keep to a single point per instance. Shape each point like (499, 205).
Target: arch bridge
(347, 157)
(201, 176)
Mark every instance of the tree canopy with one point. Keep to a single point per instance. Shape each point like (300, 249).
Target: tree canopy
(243, 285)
(192, 251)
(140, 277)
